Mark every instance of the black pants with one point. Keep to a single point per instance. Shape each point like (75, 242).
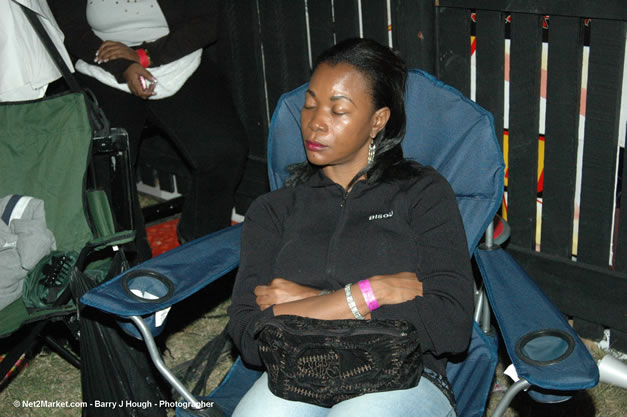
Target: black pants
(202, 122)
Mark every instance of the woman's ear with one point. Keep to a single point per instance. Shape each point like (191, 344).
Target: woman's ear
(380, 119)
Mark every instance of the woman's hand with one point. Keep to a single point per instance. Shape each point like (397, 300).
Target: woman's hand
(133, 75)
(281, 291)
(396, 288)
(110, 50)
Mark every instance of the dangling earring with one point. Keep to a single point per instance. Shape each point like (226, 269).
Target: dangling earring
(371, 150)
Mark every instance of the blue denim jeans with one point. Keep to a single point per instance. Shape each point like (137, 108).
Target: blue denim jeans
(424, 400)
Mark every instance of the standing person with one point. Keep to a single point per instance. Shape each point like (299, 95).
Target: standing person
(358, 232)
(147, 60)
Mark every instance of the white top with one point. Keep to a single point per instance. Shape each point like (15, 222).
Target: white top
(128, 21)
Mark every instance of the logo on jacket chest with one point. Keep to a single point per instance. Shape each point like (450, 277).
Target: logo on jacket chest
(381, 216)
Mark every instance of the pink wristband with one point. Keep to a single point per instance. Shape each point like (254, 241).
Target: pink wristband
(366, 291)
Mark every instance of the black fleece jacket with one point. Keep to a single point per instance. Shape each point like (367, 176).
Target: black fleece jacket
(309, 235)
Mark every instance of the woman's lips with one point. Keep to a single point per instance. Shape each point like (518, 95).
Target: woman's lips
(313, 146)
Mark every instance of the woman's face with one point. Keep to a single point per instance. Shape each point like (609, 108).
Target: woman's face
(338, 120)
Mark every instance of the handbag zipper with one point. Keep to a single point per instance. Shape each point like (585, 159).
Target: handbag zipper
(339, 332)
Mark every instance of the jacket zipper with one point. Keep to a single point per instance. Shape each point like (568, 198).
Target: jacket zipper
(330, 269)
(343, 202)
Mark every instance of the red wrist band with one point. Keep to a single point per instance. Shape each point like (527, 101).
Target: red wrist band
(366, 291)
(143, 57)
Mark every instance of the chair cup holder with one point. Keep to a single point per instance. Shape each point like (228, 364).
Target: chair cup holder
(149, 287)
(545, 347)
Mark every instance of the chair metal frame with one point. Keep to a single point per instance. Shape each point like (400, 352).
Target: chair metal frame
(104, 296)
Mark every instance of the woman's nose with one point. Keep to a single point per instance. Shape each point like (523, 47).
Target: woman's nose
(317, 123)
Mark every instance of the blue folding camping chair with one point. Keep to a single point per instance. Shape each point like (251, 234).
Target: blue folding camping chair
(456, 136)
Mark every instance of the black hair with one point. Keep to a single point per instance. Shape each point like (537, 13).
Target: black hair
(387, 74)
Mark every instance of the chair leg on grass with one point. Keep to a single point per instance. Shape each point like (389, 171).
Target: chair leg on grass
(158, 361)
(63, 352)
(21, 347)
(509, 395)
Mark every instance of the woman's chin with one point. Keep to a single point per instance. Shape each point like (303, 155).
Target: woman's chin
(316, 159)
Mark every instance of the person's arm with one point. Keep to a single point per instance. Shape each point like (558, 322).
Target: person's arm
(261, 236)
(286, 297)
(193, 25)
(443, 315)
(325, 307)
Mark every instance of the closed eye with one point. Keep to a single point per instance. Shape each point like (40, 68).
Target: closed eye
(310, 100)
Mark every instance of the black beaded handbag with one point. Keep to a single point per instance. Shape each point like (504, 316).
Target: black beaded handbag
(323, 362)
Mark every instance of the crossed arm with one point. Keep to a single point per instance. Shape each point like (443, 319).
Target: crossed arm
(287, 297)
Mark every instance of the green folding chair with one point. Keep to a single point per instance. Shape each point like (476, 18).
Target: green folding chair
(45, 150)
(48, 150)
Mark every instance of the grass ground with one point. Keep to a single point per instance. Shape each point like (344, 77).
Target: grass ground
(47, 377)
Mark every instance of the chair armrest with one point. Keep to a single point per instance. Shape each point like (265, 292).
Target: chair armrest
(180, 272)
(543, 347)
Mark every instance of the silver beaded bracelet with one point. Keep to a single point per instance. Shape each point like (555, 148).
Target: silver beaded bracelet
(351, 303)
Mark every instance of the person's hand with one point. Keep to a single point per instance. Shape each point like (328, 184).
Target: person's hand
(110, 50)
(281, 291)
(133, 75)
(396, 288)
